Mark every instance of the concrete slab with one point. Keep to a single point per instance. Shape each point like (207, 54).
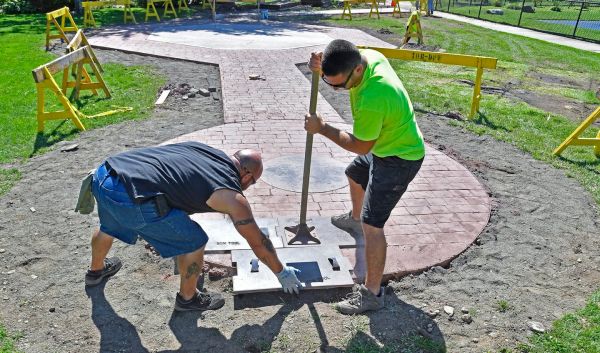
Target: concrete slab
(317, 269)
(256, 35)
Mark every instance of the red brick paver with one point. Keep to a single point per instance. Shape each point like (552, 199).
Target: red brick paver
(441, 214)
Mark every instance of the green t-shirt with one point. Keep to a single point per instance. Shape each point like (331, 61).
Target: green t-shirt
(383, 111)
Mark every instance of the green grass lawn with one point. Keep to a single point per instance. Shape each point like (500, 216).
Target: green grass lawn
(535, 20)
(436, 88)
(22, 50)
(7, 341)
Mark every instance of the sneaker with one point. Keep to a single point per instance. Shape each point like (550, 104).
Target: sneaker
(347, 223)
(111, 266)
(201, 301)
(360, 301)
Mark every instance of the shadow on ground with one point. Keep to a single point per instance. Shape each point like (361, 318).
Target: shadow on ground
(398, 326)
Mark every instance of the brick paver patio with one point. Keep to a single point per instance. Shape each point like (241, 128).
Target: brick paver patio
(444, 209)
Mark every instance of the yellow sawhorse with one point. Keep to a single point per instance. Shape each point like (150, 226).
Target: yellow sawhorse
(182, 3)
(413, 28)
(151, 9)
(479, 62)
(43, 76)
(51, 18)
(348, 6)
(397, 9)
(77, 42)
(89, 6)
(575, 140)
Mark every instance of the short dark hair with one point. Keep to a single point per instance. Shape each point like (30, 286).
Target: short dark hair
(340, 56)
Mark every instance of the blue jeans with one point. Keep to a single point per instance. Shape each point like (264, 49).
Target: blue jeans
(171, 234)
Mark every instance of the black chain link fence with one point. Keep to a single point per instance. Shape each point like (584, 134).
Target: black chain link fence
(572, 18)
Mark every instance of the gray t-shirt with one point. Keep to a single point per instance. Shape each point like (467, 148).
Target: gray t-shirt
(186, 173)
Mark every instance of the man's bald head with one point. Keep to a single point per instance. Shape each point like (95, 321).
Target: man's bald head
(250, 161)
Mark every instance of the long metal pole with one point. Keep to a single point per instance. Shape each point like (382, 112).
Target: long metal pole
(314, 91)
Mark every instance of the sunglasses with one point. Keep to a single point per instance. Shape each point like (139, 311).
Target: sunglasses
(341, 85)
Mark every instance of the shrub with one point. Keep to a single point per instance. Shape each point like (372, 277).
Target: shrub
(498, 3)
(15, 6)
(50, 5)
(27, 6)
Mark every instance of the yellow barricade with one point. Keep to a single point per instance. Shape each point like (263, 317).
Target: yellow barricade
(182, 3)
(413, 28)
(480, 62)
(397, 7)
(89, 6)
(44, 79)
(77, 42)
(151, 9)
(62, 15)
(575, 140)
(348, 6)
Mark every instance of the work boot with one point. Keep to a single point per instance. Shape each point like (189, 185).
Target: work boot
(360, 301)
(200, 301)
(347, 223)
(111, 266)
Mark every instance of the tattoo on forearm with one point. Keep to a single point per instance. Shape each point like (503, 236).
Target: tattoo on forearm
(243, 222)
(267, 243)
(192, 270)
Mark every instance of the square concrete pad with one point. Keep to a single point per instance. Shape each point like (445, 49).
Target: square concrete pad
(314, 261)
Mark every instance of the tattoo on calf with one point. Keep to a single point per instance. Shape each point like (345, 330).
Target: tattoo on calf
(192, 270)
(243, 222)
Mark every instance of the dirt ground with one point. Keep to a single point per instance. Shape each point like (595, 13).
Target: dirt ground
(538, 254)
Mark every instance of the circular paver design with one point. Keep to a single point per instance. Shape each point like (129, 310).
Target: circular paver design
(287, 173)
(441, 214)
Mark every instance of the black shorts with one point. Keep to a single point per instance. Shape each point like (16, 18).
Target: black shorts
(384, 180)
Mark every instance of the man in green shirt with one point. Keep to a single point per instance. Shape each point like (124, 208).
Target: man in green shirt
(390, 150)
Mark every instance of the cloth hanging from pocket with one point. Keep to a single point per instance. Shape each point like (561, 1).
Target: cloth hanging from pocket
(86, 201)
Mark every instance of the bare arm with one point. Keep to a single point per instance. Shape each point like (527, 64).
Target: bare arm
(314, 124)
(237, 207)
(346, 140)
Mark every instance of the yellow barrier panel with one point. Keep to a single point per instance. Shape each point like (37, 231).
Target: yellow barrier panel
(44, 79)
(51, 17)
(575, 140)
(413, 28)
(152, 12)
(480, 62)
(89, 6)
(348, 6)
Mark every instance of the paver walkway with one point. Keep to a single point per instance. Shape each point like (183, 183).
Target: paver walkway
(445, 207)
